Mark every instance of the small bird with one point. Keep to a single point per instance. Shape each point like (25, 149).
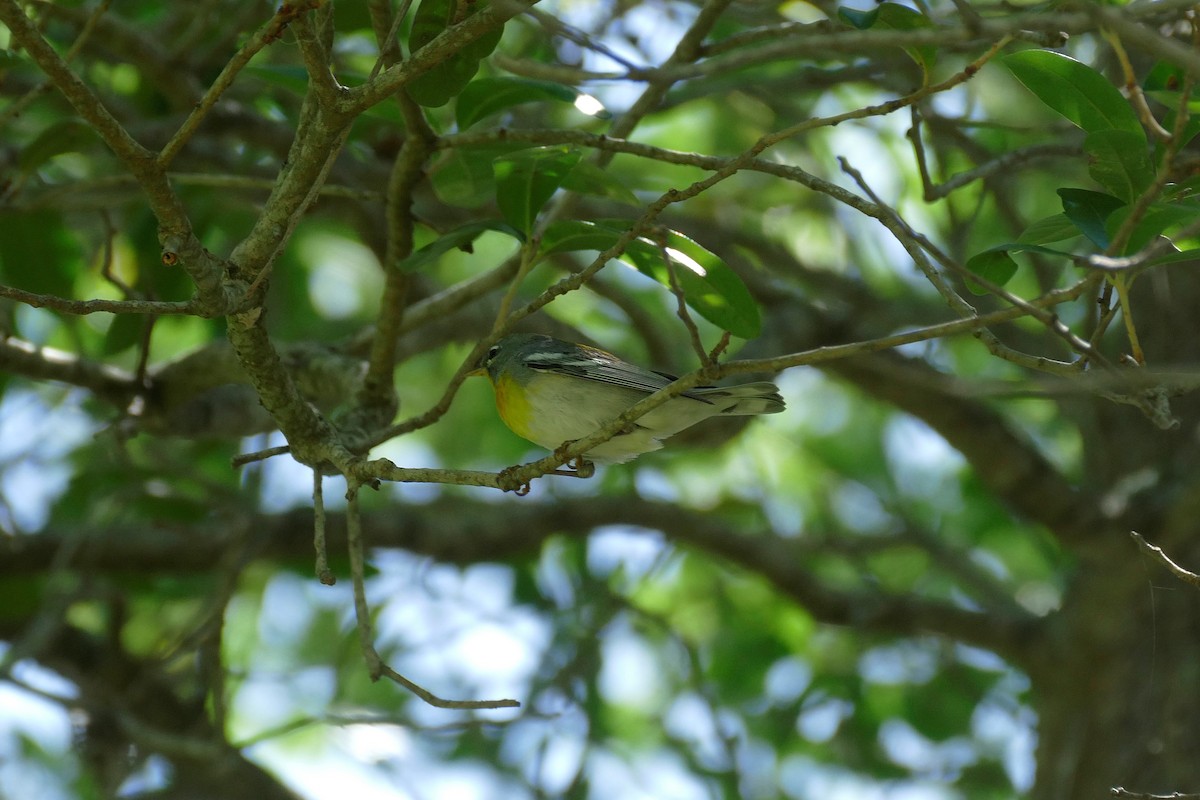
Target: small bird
(550, 391)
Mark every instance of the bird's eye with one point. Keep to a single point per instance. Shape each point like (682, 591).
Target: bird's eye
(493, 351)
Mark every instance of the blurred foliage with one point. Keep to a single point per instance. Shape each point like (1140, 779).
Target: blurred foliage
(651, 658)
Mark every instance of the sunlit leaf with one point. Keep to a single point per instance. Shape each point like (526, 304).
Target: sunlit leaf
(486, 96)
(1075, 90)
(709, 285)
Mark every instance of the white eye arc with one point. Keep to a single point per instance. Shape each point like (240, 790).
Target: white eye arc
(493, 351)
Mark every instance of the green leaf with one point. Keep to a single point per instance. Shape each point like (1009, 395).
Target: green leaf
(1118, 161)
(465, 176)
(486, 96)
(712, 287)
(1177, 257)
(573, 235)
(39, 252)
(859, 19)
(1075, 90)
(709, 285)
(588, 178)
(1055, 228)
(447, 78)
(995, 265)
(526, 179)
(1156, 221)
(1164, 83)
(1089, 210)
(125, 331)
(894, 17)
(1191, 127)
(460, 238)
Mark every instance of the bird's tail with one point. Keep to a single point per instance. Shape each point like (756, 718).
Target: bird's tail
(747, 398)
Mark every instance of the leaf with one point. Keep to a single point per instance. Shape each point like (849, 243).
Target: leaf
(1075, 90)
(709, 286)
(1118, 161)
(526, 179)
(572, 235)
(712, 287)
(447, 78)
(894, 17)
(1054, 228)
(486, 96)
(125, 331)
(1176, 258)
(39, 252)
(588, 178)
(465, 176)
(1164, 83)
(995, 265)
(859, 19)
(1191, 127)
(431, 19)
(459, 238)
(1156, 220)
(1089, 210)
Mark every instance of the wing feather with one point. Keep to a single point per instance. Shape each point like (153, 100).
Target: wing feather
(606, 368)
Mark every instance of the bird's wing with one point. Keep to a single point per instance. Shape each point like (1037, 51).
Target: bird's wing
(604, 367)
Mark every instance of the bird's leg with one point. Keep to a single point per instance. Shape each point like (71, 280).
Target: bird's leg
(576, 466)
(508, 482)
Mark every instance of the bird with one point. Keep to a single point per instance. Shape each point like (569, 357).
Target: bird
(550, 392)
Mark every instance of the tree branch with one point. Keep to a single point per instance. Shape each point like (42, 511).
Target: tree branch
(462, 531)
(1157, 553)
(45, 363)
(175, 230)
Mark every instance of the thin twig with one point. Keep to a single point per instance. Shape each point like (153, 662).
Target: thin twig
(362, 613)
(514, 478)
(264, 36)
(259, 455)
(681, 308)
(18, 106)
(1119, 791)
(324, 574)
(1157, 553)
(81, 307)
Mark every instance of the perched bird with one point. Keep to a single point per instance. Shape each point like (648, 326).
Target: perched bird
(550, 391)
